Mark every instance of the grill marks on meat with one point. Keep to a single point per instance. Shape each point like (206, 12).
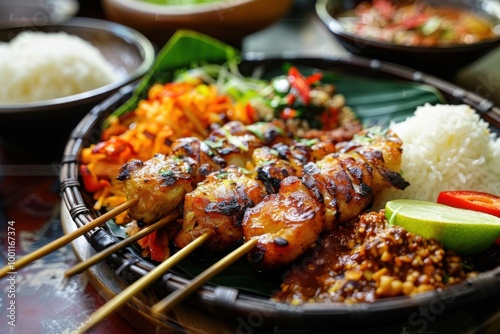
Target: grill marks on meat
(342, 184)
(159, 184)
(206, 158)
(295, 191)
(234, 142)
(287, 224)
(217, 206)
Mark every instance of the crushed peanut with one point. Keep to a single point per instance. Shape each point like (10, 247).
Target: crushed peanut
(385, 261)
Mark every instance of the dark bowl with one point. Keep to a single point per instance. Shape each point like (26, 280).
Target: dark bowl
(130, 54)
(442, 60)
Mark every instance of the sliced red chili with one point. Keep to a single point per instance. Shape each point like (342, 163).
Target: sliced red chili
(158, 244)
(251, 113)
(299, 83)
(290, 99)
(313, 78)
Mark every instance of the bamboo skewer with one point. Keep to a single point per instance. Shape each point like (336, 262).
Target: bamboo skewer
(141, 284)
(58, 243)
(80, 267)
(175, 297)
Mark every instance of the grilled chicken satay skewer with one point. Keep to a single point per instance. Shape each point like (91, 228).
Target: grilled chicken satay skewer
(334, 190)
(160, 183)
(164, 182)
(64, 240)
(283, 226)
(178, 182)
(234, 175)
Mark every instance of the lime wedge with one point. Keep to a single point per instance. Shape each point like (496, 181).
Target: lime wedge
(466, 232)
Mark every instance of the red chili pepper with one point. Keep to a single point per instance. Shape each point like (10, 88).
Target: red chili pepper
(157, 242)
(288, 113)
(290, 99)
(251, 113)
(90, 182)
(472, 200)
(313, 78)
(299, 83)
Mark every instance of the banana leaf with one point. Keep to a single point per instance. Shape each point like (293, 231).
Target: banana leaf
(378, 102)
(375, 101)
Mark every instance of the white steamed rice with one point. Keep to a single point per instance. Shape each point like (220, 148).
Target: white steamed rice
(445, 147)
(37, 66)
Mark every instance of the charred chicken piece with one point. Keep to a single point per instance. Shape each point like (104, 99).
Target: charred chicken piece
(271, 169)
(234, 142)
(286, 224)
(343, 186)
(206, 158)
(217, 205)
(159, 184)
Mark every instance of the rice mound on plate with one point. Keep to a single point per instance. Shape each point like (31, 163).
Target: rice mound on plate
(37, 66)
(445, 147)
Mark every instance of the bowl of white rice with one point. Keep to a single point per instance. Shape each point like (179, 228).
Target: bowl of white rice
(52, 75)
(446, 147)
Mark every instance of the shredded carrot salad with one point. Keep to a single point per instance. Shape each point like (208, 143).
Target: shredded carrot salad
(171, 111)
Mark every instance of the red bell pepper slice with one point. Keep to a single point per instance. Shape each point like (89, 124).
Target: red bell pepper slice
(157, 243)
(471, 200)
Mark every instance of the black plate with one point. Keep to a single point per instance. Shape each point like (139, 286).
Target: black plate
(250, 312)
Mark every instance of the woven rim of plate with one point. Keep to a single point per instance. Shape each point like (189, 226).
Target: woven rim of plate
(230, 300)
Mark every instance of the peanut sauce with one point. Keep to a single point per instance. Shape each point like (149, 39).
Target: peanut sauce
(367, 259)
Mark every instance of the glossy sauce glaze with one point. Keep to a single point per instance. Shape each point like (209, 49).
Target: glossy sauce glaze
(366, 260)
